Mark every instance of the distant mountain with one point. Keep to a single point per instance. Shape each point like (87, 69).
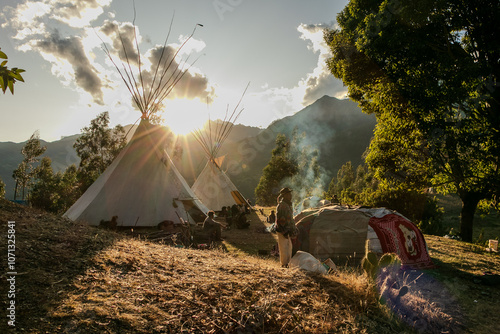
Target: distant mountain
(61, 152)
(193, 157)
(337, 128)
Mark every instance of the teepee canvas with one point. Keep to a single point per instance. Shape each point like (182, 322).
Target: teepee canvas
(142, 187)
(213, 187)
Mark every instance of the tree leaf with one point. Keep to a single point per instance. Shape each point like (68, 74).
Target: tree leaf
(10, 83)
(16, 76)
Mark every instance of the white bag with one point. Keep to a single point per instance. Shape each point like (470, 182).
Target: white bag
(306, 261)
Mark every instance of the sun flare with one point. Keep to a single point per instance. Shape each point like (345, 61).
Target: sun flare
(184, 116)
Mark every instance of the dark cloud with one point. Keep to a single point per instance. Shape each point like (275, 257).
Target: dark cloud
(123, 37)
(317, 27)
(192, 85)
(71, 49)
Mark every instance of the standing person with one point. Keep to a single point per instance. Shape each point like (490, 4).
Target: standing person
(285, 225)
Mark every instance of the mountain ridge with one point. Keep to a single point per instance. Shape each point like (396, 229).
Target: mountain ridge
(336, 128)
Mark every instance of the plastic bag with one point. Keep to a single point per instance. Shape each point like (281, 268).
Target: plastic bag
(306, 261)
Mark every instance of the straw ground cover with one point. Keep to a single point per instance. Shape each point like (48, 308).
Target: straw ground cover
(75, 278)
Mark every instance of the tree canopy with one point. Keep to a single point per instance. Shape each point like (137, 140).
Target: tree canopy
(429, 70)
(97, 147)
(281, 166)
(26, 170)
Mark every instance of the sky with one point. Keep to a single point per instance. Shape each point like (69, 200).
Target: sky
(274, 47)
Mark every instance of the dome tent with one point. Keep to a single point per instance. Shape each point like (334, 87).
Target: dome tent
(341, 233)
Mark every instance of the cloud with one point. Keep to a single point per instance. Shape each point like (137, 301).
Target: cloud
(38, 26)
(320, 81)
(123, 38)
(192, 84)
(71, 50)
(284, 101)
(26, 18)
(78, 13)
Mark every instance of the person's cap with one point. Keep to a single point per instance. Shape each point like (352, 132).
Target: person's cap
(285, 190)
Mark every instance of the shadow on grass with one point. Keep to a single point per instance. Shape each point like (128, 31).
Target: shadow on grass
(362, 302)
(51, 252)
(252, 239)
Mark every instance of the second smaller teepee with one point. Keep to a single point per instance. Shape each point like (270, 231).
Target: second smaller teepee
(213, 187)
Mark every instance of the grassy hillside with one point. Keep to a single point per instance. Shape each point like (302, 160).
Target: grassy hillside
(79, 279)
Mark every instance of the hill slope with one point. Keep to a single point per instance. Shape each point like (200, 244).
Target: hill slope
(61, 152)
(75, 278)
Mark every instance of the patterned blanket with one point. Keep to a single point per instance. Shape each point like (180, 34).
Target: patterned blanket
(400, 236)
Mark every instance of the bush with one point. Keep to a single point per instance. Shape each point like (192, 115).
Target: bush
(2, 188)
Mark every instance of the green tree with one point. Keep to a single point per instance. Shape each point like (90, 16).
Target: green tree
(24, 173)
(54, 192)
(343, 184)
(69, 188)
(97, 147)
(281, 166)
(8, 77)
(429, 70)
(44, 191)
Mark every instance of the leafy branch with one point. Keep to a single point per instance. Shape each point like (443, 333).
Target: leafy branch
(9, 76)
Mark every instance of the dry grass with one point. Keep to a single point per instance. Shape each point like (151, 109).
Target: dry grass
(137, 286)
(78, 279)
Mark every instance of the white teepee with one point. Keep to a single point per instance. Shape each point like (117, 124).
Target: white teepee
(142, 187)
(213, 187)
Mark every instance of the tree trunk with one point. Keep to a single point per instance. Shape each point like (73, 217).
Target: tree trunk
(469, 205)
(15, 190)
